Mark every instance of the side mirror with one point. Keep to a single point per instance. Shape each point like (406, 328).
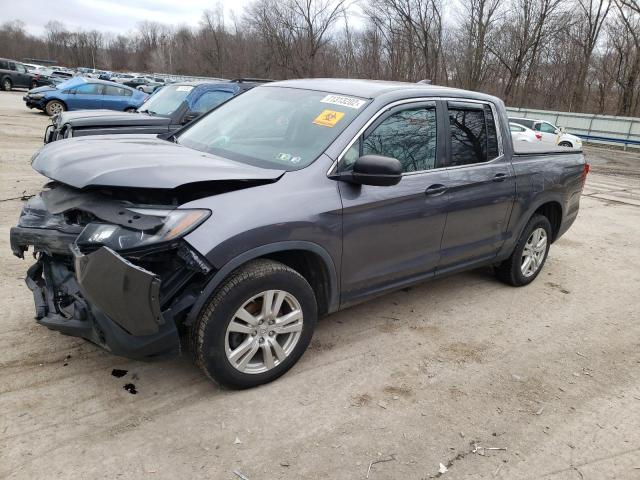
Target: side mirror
(373, 170)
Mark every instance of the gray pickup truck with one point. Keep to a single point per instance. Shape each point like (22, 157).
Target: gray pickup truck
(294, 200)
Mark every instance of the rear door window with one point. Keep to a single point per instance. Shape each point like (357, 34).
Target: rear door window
(473, 133)
(4, 65)
(210, 100)
(89, 89)
(114, 91)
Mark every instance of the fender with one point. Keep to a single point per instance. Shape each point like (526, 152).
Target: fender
(220, 275)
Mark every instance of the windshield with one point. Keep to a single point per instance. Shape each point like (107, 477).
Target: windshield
(166, 100)
(72, 82)
(269, 127)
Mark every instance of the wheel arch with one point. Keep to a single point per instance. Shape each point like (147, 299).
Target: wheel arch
(309, 259)
(551, 209)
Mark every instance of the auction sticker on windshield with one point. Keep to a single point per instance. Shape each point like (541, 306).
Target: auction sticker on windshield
(184, 88)
(328, 118)
(344, 101)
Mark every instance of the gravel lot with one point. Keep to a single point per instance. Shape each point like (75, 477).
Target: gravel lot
(435, 374)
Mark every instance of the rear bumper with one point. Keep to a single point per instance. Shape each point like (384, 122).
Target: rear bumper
(101, 297)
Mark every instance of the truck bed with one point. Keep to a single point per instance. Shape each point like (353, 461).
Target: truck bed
(532, 148)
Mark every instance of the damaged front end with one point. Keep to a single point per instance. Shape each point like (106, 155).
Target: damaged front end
(110, 270)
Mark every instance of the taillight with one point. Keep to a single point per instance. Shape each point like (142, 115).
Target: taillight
(585, 171)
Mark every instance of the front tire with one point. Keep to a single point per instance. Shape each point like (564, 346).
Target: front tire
(53, 107)
(529, 255)
(565, 144)
(7, 85)
(256, 326)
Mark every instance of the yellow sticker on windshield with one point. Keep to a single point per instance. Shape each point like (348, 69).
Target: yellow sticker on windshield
(328, 118)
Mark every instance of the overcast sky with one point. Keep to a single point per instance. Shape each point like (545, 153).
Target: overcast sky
(116, 16)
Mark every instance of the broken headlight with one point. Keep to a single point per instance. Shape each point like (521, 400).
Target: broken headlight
(176, 224)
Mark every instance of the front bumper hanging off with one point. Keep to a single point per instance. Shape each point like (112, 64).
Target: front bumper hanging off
(102, 297)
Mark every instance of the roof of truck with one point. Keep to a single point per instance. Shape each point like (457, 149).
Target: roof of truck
(375, 88)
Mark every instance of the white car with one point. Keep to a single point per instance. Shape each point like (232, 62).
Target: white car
(550, 134)
(520, 133)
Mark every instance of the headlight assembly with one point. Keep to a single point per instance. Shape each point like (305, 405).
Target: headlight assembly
(36, 96)
(176, 224)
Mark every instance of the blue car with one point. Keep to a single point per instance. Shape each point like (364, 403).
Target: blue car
(79, 93)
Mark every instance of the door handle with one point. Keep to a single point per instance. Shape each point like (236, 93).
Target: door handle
(436, 189)
(499, 177)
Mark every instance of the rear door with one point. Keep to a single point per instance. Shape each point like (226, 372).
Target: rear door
(481, 186)
(85, 96)
(115, 98)
(23, 79)
(392, 235)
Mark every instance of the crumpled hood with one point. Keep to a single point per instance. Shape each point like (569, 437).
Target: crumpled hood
(112, 118)
(43, 89)
(137, 161)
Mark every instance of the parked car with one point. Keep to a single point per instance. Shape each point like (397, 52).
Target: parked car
(136, 82)
(549, 133)
(80, 93)
(292, 201)
(122, 77)
(14, 74)
(150, 86)
(165, 111)
(520, 133)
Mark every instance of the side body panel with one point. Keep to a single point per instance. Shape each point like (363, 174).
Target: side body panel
(543, 178)
(303, 207)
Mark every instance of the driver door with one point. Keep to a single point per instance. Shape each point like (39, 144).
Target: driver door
(392, 235)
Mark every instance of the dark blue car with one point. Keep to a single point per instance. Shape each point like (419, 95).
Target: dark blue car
(81, 93)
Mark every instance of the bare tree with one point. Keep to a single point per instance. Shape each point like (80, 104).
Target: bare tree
(478, 19)
(593, 14)
(519, 39)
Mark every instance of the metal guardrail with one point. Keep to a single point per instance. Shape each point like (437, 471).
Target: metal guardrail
(604, 129)
(185, 78)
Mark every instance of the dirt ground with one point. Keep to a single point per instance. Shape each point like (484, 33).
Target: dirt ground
(488, 380)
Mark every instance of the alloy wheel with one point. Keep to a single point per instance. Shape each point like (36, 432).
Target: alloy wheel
(264, 331)
(534, 252)
(55, 108)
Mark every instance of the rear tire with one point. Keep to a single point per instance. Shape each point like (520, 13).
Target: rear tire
(514, 270)
(34, 85)
(236, 316)
(7, 85)
(53, 107)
